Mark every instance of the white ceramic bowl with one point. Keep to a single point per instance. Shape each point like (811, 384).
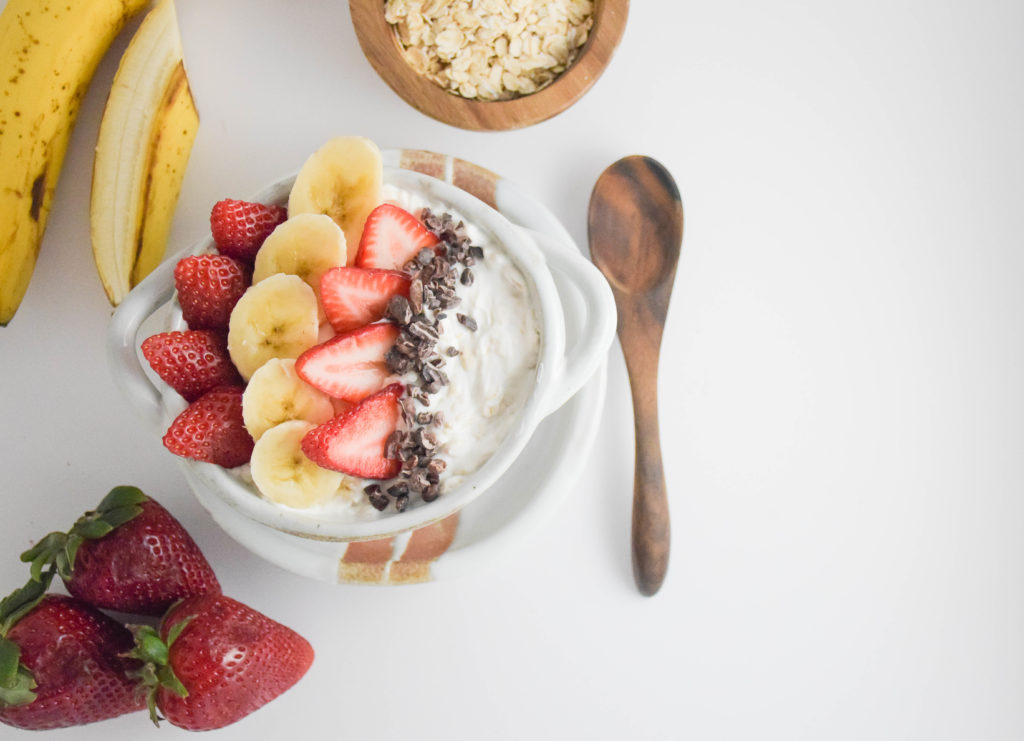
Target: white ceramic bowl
(152, 307)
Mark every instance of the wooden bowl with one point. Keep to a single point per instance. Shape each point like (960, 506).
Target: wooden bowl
(380, 45)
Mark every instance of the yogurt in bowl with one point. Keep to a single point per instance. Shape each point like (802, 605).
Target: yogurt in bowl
(492, 344)
(509, 373)
(471, 340)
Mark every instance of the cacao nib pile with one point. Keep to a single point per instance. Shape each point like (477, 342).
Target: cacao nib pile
(434, 274)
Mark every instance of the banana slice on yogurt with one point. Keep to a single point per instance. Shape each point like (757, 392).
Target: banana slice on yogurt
(283, 473)
(275, 318)
(343, 180)
(276, 394)
(307, 245)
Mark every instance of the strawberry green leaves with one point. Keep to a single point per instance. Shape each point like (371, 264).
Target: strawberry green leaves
(17, 682)
(59, 549)
(15, 605)
(154, 653)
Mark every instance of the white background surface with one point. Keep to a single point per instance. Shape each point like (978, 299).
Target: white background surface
(841, 395)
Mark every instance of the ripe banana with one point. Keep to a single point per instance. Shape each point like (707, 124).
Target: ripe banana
(307, 245)
(48, 54)
(275, 318)
(276, 394)
(283, 473)
(145, 140)
(341, 179)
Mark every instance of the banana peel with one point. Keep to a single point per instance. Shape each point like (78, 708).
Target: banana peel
(149, 125)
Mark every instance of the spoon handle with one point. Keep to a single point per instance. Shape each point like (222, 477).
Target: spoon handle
(651, 536)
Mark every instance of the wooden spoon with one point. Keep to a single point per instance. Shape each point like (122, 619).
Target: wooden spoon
(636, 231)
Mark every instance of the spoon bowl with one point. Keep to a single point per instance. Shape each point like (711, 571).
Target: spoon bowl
(636, 204)
(635, 226)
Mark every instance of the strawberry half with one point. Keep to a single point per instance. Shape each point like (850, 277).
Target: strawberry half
(209, 286)
(128, 555)
(239, 227)
(211, 429)
(191, 362)
(355, 297)
(62, 662)
(391, 237)
(349, 366)
(355, 442)
(216, 660)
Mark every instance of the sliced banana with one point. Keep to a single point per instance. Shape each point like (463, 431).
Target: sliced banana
(275, 318)
(283, 473)
(341, 179)
(276, 394)
(307, 245)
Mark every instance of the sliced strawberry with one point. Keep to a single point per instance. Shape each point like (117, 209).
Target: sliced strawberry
(191, 362)
(209, 286)
(354, 297)
(349, 366)
(211, 429)
(355, 442)
(391, 237)
(340, 405)
(239, 227)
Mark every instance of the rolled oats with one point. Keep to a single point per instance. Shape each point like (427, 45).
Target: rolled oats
(491, 49)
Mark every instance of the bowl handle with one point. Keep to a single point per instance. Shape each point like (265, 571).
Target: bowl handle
(123, 341)
(589, 309)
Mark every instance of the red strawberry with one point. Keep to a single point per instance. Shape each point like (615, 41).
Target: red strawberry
(239, 227)
(349, 366)
(340, 405)
(128, 555)
(355, 442)
(354, 297)
(191, 362)
(209, 286)
(211, 429)
(218, 661)
(61, 663)
(391, 237)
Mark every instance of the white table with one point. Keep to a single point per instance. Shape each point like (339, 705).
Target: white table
(842, 387)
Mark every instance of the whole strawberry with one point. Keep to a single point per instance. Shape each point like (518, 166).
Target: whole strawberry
(211, 429)
(216, 660)
(128, 555)
(208, 287)
(191, 362)
(62, 663)
(239, 227)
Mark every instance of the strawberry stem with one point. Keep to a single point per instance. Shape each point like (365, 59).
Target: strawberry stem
(16, 681)
(14, 606)
(59, 549)
(156, 672)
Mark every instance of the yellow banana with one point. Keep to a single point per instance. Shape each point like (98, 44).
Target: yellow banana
(143, 148)
(48, 54)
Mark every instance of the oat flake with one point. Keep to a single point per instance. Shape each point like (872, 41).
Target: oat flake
(491, 49)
